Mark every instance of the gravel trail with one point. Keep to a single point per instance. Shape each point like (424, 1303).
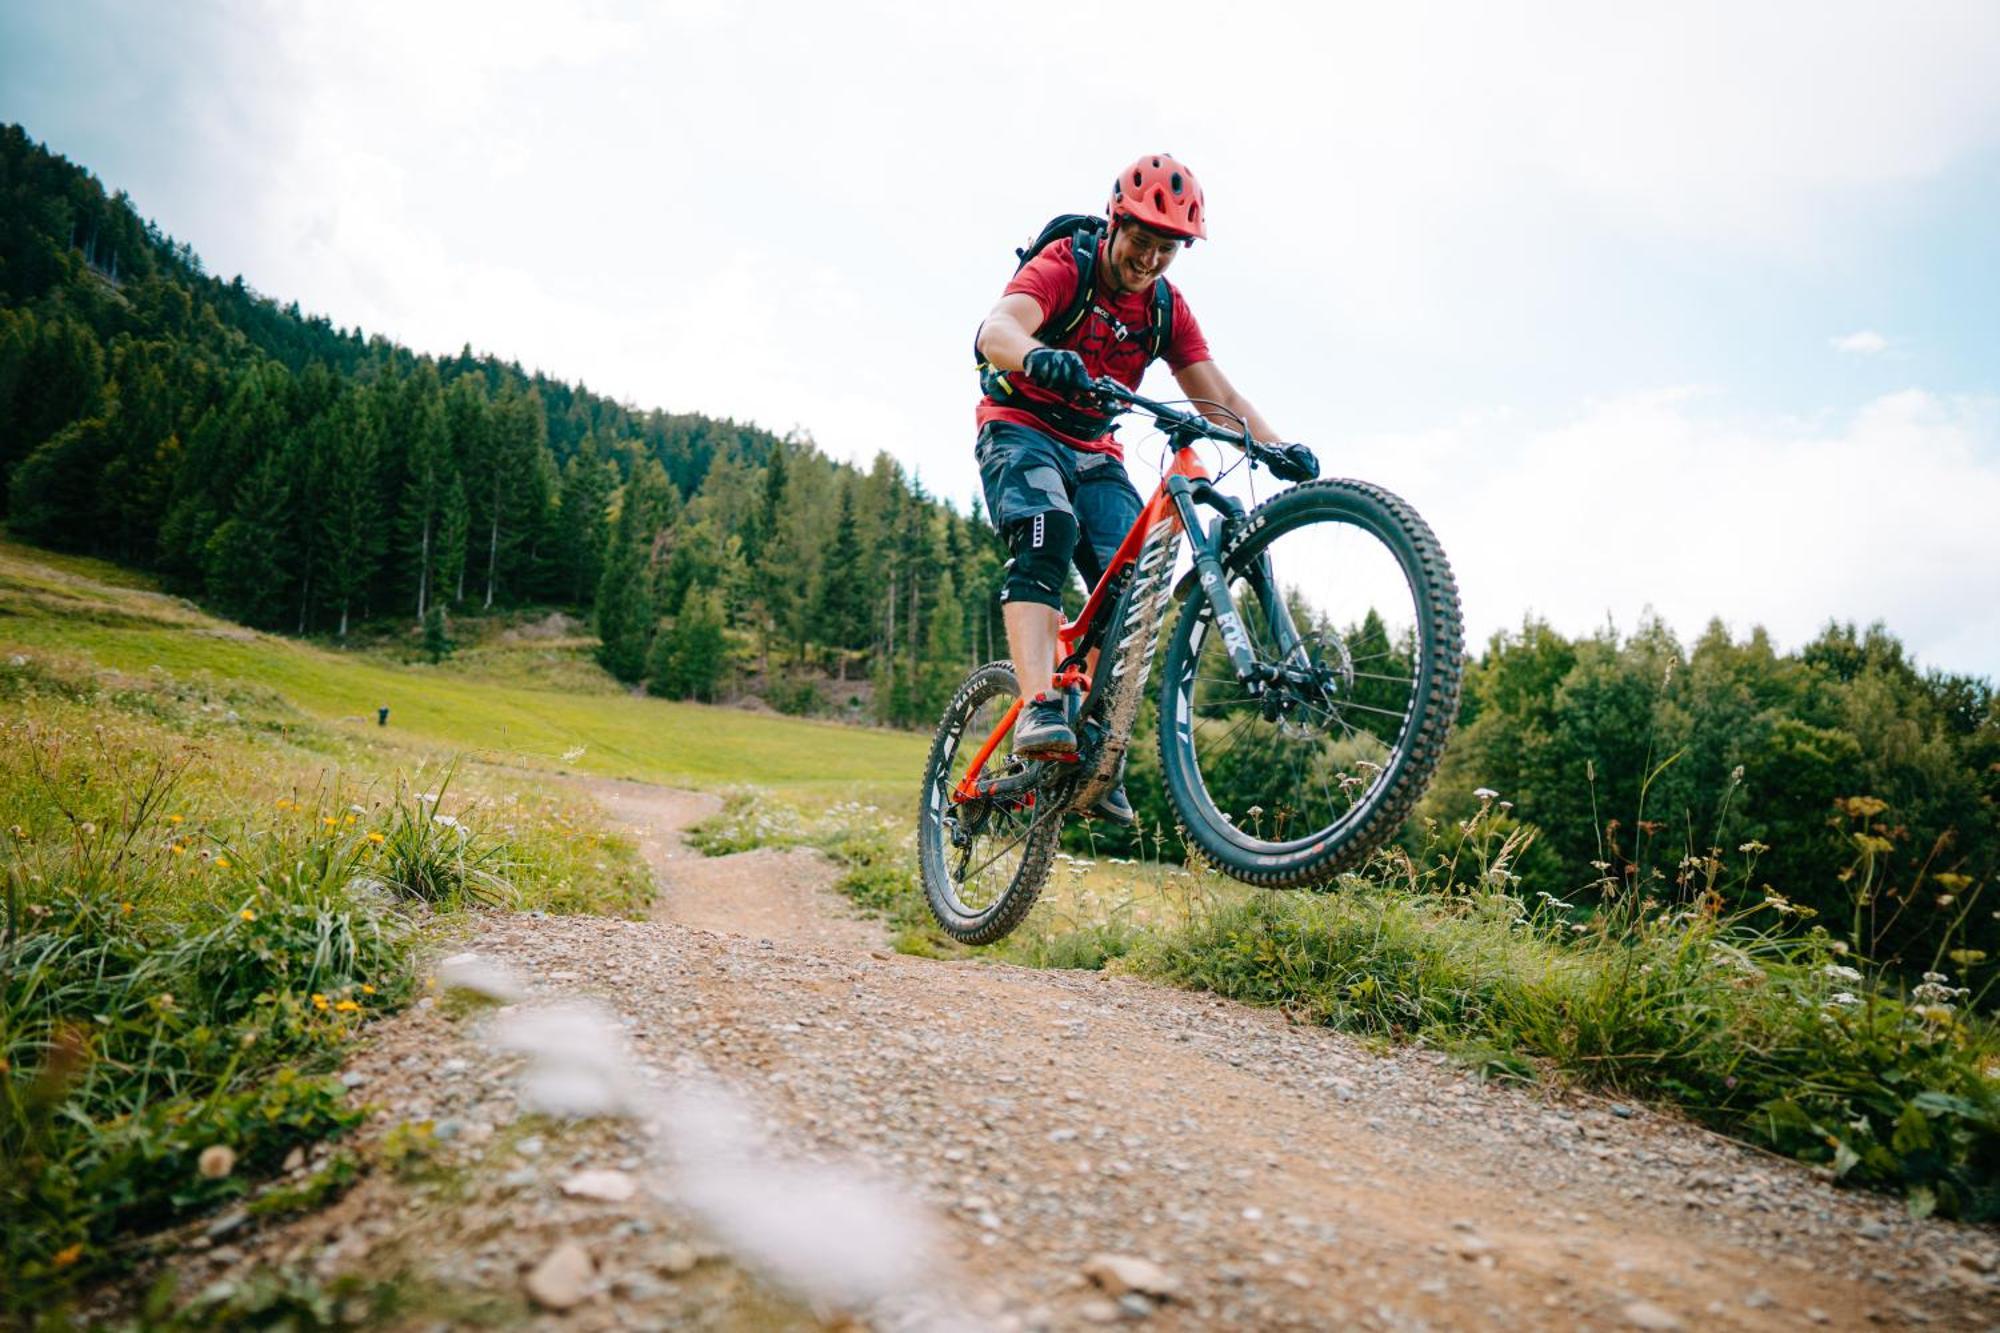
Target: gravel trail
(1243, 1171)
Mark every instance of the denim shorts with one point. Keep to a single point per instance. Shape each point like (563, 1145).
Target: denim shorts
(1025, 473)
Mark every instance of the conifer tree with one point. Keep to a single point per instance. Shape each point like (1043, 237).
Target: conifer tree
(428, 478)
(840, 616)
(248, 553)
(351, 513)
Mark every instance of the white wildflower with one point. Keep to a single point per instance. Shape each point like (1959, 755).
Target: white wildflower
(1484, 793)
(1839, 973)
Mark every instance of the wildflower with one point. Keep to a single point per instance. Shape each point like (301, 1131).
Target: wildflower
(1484, 793)
(124, 909)
(247, 914)
(176, 819)
(328, 820)
(283, 804)
(178, 848)
(1842, 998)
(1752, 847)
(376, 837)
(217, 1160)
(1946, 899)
(318, 1001)
(348, 820)
(1839, 973)
(19, 832)
(222, 862)
(1967, 957)
(345, 1007)
(367, 989)
(1736, 775)
(447, 820)
(68, 1255)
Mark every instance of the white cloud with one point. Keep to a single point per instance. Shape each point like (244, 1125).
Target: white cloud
(1667, 501)
(1862, 342)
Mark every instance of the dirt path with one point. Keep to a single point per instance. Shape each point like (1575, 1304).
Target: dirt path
(1281, 1177)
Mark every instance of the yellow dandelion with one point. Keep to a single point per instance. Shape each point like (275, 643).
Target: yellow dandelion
(376, 838)
(350, 819)
(328, 820)
(178, 848)
(125, 909)
(176, 819)
(247, 914)
(222, 862)
(346, 1007)
(70, 1254)
(367, 989)
(319, 1001)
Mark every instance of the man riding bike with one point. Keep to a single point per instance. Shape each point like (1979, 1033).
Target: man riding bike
(1052, 470)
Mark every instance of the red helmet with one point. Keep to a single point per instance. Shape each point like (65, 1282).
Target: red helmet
(1161, 193)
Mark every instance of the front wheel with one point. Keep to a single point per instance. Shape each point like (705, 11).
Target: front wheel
(984, 860)
(1352, 616)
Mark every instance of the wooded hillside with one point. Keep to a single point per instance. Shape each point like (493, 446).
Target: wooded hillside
(304, 477)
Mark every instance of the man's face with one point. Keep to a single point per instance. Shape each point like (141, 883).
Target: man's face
(1138, 255)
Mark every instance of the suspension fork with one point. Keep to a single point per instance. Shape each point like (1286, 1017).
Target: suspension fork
(1207, 544)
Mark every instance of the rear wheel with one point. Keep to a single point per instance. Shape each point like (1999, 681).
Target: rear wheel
(1287, 783)
(984, 860)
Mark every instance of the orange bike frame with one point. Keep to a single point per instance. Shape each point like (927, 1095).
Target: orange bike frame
(1159, 509)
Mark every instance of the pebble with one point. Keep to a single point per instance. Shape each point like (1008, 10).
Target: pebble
(1645, 1314)
(678, 1258)
(604, 1186)
(562, 1279)
(227, 1224)
(1117, 1274)
(1099, 1311)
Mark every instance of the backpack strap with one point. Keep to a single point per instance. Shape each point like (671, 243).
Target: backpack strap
(1083, 245)
(1160, 330)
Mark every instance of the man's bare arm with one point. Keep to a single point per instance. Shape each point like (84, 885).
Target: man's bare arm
(1006, 338)
(1205, 380)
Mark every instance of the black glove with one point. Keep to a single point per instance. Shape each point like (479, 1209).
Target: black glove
(1292, 462)
(1057, 370)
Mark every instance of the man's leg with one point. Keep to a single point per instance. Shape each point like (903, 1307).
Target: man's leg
(1031, 639)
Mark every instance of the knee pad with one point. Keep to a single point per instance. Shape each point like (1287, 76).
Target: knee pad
(1043, 545)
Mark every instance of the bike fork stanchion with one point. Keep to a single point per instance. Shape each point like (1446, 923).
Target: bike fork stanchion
(1215, 584)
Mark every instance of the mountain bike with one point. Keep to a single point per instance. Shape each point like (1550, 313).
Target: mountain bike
(1311, 677)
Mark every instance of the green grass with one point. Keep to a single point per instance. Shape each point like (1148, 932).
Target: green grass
(71, 608)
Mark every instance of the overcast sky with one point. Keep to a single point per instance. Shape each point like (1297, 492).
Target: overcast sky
(1690, 307)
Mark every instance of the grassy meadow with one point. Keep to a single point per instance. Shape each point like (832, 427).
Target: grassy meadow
(522, 703)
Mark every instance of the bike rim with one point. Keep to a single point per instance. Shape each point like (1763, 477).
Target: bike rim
(1290, 782)
(978, 869)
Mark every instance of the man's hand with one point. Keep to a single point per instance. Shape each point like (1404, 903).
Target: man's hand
(1292, 462)
(1057, 370)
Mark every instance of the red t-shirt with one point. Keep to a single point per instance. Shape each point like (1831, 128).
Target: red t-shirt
(1050, 278)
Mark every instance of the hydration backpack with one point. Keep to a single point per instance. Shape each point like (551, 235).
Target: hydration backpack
(1084, 233)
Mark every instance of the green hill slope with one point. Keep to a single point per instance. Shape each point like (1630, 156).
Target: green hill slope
(75, 605)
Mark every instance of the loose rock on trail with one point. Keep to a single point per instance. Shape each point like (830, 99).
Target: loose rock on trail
(811, 1131)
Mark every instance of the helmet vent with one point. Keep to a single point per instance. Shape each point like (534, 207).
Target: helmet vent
(1175, 183)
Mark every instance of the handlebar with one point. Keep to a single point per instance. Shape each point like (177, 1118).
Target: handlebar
(1183, 428)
